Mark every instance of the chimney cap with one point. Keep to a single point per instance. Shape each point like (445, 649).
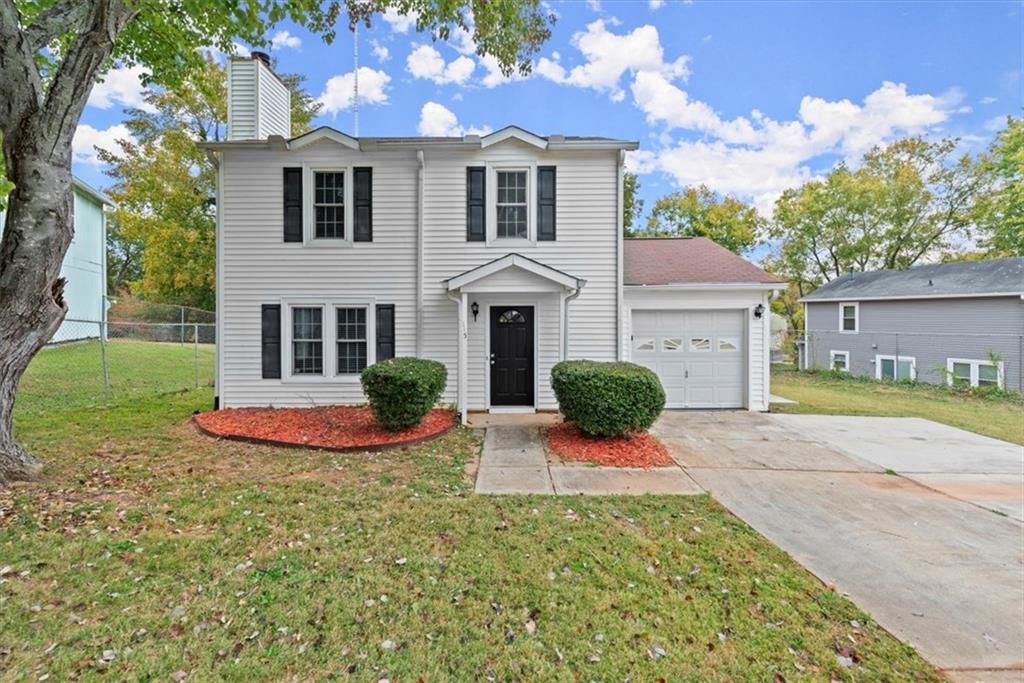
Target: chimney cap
(262, 56)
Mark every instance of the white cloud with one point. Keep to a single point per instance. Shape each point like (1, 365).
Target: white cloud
(426, 62)
(87, 139)
(494, 77)
(758, 157)
(240, 50)
(337, 93)
(283, 39)
(988, 100)
(400, 23)
(121, 86)
(655, 4)
(594, 5)
(381, 52)
(610, 55)
(436, 120)
(706, 39)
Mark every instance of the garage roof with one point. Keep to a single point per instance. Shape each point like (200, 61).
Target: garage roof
(687, 261)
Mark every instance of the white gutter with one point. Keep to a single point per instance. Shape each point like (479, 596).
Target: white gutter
(419, 253)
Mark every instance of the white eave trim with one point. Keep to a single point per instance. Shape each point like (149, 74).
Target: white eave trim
(323, 133)
(91, 192)
(851, 299)
(771, 286)
(518, 261)
(513, 132)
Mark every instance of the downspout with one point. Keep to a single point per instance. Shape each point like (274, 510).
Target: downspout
(218, 283)
(565, 317)
(619, 202)
(460, 392)
(419, 252)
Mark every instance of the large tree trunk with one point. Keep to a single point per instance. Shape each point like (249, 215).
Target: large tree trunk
(38, 124)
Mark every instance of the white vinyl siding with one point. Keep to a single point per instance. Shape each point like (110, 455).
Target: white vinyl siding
(257, 267)
(259, 105)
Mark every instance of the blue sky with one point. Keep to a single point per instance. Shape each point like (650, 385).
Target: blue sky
(748, 98)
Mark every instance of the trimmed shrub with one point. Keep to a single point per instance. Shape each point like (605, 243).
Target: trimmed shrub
(402, 391)
(607, 399)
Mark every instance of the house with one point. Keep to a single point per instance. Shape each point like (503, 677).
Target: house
(85, 266)
(940, 323)
(498, 255)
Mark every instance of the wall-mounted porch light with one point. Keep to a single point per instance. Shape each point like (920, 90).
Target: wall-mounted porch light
(475, 308)
(759, 311)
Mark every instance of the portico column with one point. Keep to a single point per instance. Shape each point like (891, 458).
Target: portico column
(463, 363)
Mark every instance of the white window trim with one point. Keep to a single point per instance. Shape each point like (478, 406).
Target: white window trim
(975, 363)
(832, 359)
(896, 366)
(856, 317)
(492, 205)
(309, 210)
(330, 337)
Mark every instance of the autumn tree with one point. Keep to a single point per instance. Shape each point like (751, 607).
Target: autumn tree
(632, 204)
(165, 186)
(999, 212)
(700, 212)
(51, 54)
(908, 201)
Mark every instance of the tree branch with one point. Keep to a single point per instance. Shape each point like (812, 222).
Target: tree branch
(21, 88)
(64, 17)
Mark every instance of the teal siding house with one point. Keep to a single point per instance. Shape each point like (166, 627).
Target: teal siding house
(85, 266)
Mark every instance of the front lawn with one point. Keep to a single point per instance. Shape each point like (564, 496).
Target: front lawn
(151, 551)
(822, 394)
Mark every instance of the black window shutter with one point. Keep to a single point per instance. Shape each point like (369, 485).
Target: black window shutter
(270, 341)
(293, 205)
(363, 195)
(385, 331)
(476, 222)
(546, 203)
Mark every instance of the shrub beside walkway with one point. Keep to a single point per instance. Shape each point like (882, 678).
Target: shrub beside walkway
(513, 461)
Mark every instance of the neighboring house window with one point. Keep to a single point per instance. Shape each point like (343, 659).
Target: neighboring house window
(849, 317)
(839, 360)
(976, 373)
(351, 340)
(307, 341)
(329, 204)
(895, 368)
(512, 204)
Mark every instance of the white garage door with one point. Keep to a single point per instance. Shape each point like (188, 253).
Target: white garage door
(700, 356)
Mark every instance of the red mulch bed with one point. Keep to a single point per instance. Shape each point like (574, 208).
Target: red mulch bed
(638, 450)
(340, 428)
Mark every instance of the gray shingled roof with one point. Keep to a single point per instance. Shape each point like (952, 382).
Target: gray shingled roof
(964, 278)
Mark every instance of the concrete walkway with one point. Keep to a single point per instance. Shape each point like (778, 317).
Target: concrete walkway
(932, 566)
(513, 461)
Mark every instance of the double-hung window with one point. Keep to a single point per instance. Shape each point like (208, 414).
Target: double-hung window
(307, 340)
(895, 368)
(976, 373)
(848, 317)
(329, 205)
(351, 340)
(512, 204)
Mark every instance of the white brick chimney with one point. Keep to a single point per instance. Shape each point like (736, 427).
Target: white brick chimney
(259, 103)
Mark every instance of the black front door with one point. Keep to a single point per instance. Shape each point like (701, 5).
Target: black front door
(512, 356)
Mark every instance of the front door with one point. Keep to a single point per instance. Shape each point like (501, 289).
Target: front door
(511, 356)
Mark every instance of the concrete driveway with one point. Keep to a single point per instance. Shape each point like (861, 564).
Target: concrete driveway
(937, 569)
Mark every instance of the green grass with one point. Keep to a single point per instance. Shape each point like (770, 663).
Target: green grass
(71, 375)
(1001, 418)
(232, 561)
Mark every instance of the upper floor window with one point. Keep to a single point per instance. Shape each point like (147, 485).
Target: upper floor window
(849, 317)
(329, 204)
(512, 204)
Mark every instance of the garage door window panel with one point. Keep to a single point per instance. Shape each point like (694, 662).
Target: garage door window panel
(728, 344)
(700, 344)
(672, 344)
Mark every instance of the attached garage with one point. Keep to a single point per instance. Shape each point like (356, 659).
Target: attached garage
(697, 315)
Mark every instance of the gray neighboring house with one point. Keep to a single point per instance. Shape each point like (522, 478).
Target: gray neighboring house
(950, 322)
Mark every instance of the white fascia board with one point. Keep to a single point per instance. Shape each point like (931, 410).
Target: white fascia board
(513, 132)
(911, 297)
(518, 261)
(323, 133)
(628, 145)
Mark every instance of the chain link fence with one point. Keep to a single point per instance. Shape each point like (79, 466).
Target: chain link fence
(114, 361)
(978, 357)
